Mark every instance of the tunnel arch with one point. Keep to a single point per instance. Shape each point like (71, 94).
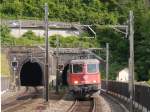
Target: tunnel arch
(31, 73)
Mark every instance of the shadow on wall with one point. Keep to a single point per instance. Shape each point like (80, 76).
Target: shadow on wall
(31, 74)
(64, 75)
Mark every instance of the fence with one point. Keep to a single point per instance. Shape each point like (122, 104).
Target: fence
(141, 93)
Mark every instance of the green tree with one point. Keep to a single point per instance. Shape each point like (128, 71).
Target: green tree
(5, 36)
(142, 45)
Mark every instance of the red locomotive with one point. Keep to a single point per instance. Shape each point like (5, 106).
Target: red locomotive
(84, 77)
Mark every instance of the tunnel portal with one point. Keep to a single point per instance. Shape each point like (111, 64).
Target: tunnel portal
(31, 74)
(64, 75)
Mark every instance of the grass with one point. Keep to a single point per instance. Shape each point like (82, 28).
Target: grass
(4, 65)
(148, 82)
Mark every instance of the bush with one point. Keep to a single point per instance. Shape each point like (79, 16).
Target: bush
(72, 41)
(6, 38)
(29, 34)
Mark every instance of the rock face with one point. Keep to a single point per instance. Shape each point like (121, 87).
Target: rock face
(16, 32)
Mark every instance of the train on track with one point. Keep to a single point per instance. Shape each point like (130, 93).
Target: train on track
(84, 77)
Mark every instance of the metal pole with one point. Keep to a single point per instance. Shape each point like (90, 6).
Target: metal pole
(57, 74)
(19, 27)
(131, 60)
(46, 54)
(107, 64)
(14, 82)
(19, 82)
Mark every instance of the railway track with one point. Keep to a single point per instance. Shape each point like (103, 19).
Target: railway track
(13, 105)
(83, 106)
(102, 103)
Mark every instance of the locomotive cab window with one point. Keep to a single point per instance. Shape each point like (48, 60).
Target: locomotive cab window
(77, 68)
(91, 68)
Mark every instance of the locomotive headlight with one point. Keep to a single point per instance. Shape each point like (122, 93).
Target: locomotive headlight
(75, 82)
(94, 81)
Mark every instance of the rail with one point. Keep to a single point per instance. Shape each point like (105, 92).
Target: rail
(84, 106)
(141, 93)
(27, 97)
(73, 107)
(94, 105)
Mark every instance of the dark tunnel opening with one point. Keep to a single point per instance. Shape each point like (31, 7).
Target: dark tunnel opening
(64, 75)
(31, 74)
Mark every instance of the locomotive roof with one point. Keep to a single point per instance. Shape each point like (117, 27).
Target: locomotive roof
(85, 61)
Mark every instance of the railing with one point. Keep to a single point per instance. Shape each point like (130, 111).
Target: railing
(141, 94)
(37, 23)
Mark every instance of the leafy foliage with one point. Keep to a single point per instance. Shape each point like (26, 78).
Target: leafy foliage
(5, 37)
(72, 42)
(142, 46)
(89, 12)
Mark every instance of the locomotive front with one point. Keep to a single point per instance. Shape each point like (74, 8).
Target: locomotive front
(84, 77)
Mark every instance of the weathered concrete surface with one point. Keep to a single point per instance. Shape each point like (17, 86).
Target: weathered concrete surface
(27, 54)
(5, 81)
(19, 27)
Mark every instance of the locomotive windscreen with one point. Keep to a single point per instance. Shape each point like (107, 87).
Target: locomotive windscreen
(76, 68)
(91, 68)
